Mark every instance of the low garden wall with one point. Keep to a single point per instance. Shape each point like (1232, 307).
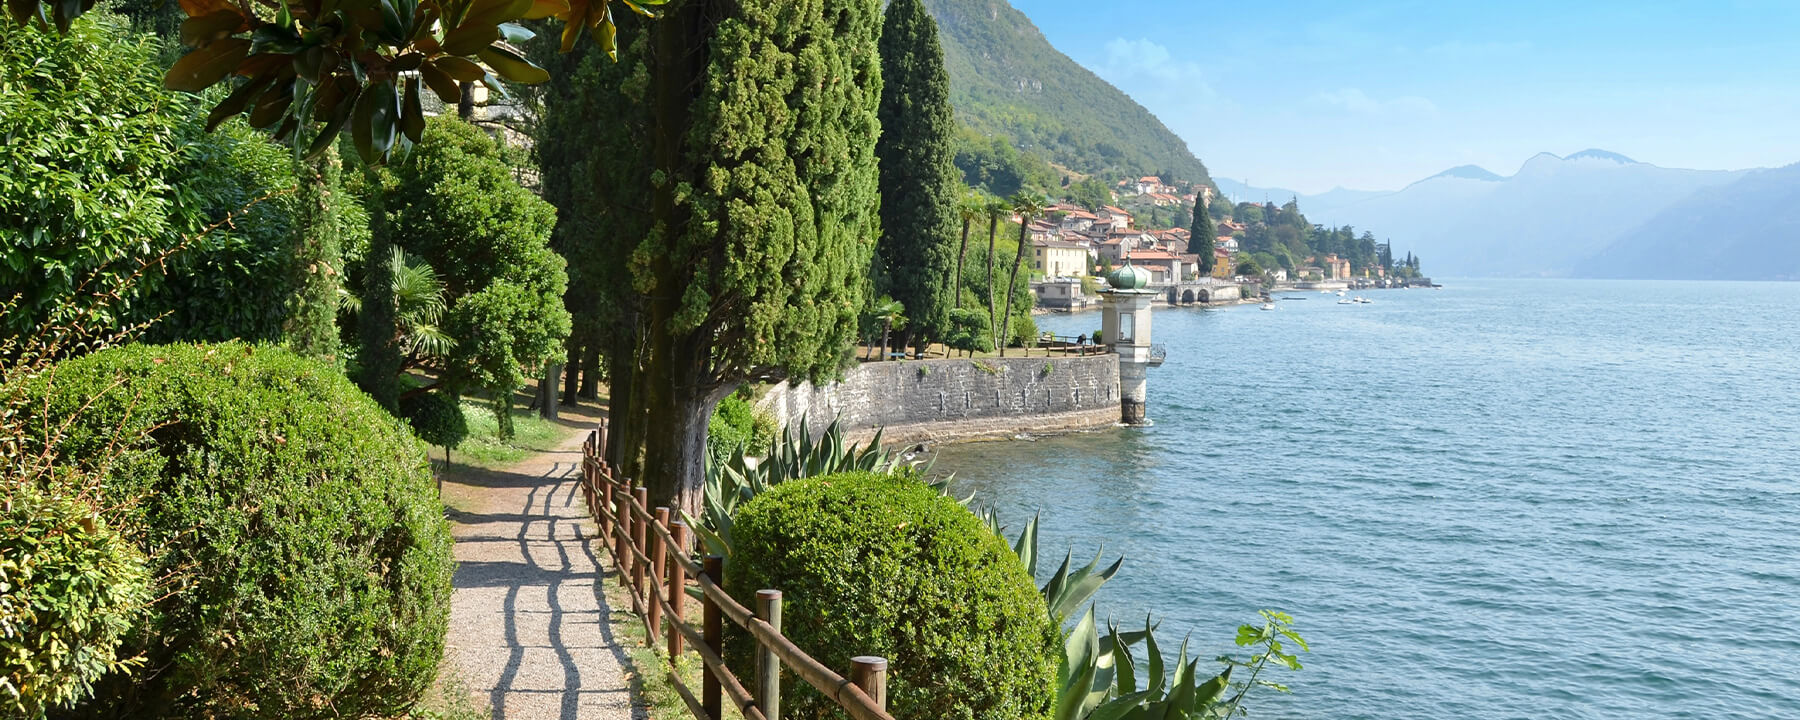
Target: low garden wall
(958, 398)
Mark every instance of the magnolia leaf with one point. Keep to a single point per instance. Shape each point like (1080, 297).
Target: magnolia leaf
(515, 33)
(200, 31)
(272, 104)
(236, 101)
(412, 116)
(490, 13)
(440, 82)
(459, 68)
(467, 39)
(200, 69)
(509, 64)
(372, 125)
(541, 9)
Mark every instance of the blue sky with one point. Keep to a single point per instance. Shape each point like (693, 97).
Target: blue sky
(1374, 95)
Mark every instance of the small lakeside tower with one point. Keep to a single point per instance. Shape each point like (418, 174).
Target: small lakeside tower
(1125, 327)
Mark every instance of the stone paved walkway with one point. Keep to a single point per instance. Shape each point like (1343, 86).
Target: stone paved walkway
(529, 627)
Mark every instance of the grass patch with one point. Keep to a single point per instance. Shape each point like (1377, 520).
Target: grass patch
(649, 663)
(484, 447)
(449, 699)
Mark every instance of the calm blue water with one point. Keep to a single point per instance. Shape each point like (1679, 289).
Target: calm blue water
(1503, 499)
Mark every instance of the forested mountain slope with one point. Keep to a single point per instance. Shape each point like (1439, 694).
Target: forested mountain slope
(1007, 80)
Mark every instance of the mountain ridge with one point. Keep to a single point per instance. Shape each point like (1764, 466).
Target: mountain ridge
(1006, 79)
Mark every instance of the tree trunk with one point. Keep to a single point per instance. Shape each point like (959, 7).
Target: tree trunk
(884, 338)
(956, 282)
(625, 414)
(590, 372)
(993, 322)
(547, 390)
(572, 374)
(465, 106)
(1006, 320)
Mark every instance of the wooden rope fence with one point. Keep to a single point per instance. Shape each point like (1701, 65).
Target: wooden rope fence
(654, 566)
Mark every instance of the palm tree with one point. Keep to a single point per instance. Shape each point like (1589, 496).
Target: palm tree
(1027, 207)
(888, 311)
(994, 210)
(419, 305)
(969, 209)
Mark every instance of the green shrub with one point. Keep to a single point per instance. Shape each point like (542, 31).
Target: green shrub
(72, 588)
(880, 565)
(292, 525)
(733, 426)
(437, 418)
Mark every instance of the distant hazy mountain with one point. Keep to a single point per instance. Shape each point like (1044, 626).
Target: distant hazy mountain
(1334, 198)
(1544, 220)
(1007, 80)
(1745, 230)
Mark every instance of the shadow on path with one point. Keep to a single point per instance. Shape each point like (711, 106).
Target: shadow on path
(529, 626)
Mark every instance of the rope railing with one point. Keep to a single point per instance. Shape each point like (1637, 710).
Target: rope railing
(651, 554)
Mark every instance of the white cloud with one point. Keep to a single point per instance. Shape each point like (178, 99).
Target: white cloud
(1360, 103)
(1145, 65)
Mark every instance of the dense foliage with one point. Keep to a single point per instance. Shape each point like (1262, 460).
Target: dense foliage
(456, 205)
(1006, 81)
(88, 156)
(1281, 237)
(71, 587)
(882, 565)
(918, 181)
(302, 560)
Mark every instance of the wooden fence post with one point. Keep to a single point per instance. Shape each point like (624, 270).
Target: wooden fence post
(677, 585)
(657, 563)
(768, 666)
(714, 633)
(603, 505)
(622, 543)
(870, 673)
(639, 501)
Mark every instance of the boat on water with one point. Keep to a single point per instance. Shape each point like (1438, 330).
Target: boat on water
(1346, 301)
(1268, 306)
(1340, 293)
(1360, 300)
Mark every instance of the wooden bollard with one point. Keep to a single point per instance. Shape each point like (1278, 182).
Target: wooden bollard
(713, 631)
(640, 498)
(657, 563)
(870, 673)
(768, 666)
(677, 585)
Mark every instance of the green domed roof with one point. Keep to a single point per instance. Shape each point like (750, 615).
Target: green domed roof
(1128, 277)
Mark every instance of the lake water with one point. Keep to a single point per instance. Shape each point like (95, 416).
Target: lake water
(1503, 499)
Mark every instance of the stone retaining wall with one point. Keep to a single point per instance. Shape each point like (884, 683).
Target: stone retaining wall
(958, 399)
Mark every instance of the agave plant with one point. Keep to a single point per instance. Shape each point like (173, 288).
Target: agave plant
(792, 456)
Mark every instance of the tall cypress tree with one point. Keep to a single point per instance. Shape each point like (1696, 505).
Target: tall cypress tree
(918, 173)
(311, 327)
(763, 197)
(1202, 236)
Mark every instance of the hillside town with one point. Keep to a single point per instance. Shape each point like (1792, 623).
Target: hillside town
(1071, 245)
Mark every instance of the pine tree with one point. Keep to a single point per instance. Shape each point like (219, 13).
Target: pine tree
(1203, 237)
(918, 175)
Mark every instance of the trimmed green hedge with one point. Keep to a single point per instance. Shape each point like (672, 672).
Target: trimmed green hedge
(880, 565)
(70, 590)
(302, 560)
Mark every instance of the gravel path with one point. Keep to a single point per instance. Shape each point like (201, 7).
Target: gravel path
(530, 631)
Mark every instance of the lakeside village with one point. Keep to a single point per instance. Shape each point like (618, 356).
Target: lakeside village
(1256, 249)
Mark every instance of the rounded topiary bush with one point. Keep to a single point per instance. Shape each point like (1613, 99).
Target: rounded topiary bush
(302, 560)
(882, 565)
(437, 418)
